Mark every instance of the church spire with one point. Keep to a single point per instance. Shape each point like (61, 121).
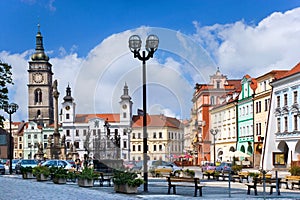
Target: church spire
(39, 48)
(125, 93)
(68, 96)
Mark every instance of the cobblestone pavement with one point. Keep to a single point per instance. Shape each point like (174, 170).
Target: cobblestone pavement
(13, 187)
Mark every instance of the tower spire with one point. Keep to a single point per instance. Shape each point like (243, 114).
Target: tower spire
(39, 48)
(125, 92)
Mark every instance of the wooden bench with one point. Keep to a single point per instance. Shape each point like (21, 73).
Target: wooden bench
(162, 172)
(184, 182)
(293, 180)
(209, 173)
(269, 183)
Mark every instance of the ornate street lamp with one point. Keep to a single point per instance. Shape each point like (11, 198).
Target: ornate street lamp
(135, 44)
(10, 109)
(214, 132)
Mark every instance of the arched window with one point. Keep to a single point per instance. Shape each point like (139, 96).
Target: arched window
(38, 96)
(38, 113)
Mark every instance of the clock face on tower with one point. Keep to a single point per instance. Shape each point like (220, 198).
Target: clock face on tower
(38, 77)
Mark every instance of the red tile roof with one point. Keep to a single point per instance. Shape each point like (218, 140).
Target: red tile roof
(84, 118)
(293, 71)
(156, 121)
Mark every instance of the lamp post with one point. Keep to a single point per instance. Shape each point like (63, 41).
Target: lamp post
(10, 109)
(129, 130)
(135, 44)
(214, 132)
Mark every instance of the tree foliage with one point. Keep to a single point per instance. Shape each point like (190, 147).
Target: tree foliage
(5, 80)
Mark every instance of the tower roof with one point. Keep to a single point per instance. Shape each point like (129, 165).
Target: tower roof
(68, 96)
(39, 54)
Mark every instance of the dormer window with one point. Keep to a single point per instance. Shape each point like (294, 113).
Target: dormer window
(218, 85)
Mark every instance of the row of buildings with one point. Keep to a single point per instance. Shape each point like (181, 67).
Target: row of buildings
(254, 120)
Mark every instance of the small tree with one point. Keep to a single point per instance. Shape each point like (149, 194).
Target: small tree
(5, 79)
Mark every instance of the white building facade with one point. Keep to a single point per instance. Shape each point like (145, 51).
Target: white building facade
(282, 140)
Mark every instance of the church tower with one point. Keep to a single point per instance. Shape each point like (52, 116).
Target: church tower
(40, 98)
(125, 108)
(68, 108)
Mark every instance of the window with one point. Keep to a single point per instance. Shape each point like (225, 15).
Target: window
(84, 132)
(139, 135)
(160, 147)
(124, 132)
(258, 129)
(38, 96)
(133, 135)
(285, 124)
(139, 147)
(35, 136)
(295, 97)
(212, 100)
(20, 139)
(278, 125)
(160, 134)
(218, 84)
(29, 136)
(285, 99)
(154, 147)
(265, 85)
(278, 101)
(45, 137)
(76, 144)
(67, 116)
(68, 133)
(295, 122)
(77, 132)
(154, 135)
(94, 132)
(20, 146)
(125, 144)
(266, 104)
(124, 115)
(133, 147)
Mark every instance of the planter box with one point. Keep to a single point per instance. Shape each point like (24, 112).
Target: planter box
(85, 182)
(28, 175)
(59, 180)
(125, 189)
(41, 177)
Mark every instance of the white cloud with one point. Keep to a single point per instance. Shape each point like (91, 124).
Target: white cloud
(254, 49)
(97, 81)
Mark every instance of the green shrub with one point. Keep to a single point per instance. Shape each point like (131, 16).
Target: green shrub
(60, 173)
(88, 173)
(38, 170)
(130, 178)
(189, 172)
(295, 171)
(26, 169)
(236, 168)
(254, 174)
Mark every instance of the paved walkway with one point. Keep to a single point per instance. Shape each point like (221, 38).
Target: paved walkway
(13, 187)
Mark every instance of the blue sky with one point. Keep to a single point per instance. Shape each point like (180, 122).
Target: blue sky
(87, 45)
(84, 24)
